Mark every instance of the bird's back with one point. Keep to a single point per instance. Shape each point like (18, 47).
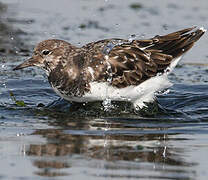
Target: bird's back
(128, 63)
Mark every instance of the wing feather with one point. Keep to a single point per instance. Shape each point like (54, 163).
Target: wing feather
(134, 62)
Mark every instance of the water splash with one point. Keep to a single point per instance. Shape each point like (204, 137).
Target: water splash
(132, 37)
(107, 102)
(110, 45)
(163, 92)
(167, 70)
(109, 72)
(3, 80)
(12, 38)
(106, 51)
(165, 27)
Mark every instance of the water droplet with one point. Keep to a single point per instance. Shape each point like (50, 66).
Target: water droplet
(107, 126)
(3, 81)
(53, 35)
(107, 49)
(129, 99)
(132, 37)
(167, 70)
(20, 134)
(159, 74)
(109, 72)
(117, 26)
(164, 152)
(165, 26)
(107, 104)
(141, 36)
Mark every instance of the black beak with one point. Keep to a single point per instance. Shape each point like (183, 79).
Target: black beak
(27, 63)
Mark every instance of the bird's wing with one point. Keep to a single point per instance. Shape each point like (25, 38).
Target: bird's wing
(126, 63)
(130, 65)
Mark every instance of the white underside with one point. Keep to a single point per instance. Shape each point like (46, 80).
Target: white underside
(136, 94)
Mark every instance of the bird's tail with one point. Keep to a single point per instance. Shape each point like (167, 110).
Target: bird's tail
(176, 43)
(166, 50)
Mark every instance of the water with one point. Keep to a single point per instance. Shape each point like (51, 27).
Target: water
(52, 139)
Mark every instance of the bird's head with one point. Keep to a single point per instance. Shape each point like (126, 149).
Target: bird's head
(47, 55)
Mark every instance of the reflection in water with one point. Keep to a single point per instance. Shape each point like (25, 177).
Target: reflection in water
(119, 151)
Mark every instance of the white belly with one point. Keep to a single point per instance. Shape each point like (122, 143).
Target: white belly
(135, 94)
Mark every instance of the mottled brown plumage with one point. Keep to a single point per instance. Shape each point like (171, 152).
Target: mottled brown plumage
(121, 63)
(134, 62)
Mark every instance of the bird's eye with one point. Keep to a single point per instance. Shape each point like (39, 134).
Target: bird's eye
(46, 52)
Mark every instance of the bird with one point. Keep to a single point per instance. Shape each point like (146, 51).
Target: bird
(131, 70)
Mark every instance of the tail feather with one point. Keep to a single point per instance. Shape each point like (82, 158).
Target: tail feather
(177, 43)
(174, 44)
(166, 50)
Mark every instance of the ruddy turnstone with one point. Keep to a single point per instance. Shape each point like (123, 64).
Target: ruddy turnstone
(115, 69)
